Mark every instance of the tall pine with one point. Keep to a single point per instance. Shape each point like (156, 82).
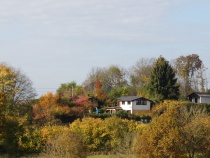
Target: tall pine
(163, 81)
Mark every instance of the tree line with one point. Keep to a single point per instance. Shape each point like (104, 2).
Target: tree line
(186, 73)
(29, 125)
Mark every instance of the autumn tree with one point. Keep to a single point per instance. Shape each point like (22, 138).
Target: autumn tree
(99, 96)
(190, 70)
(16, 92)
(140, 73)
(110, 77)
(48, 102)
(83, 104)
(47, 108)
(24, 88)
(116, 76)
(68, 92)
(162, 83)
(181, 130)
(63, 143)
(15, 88)
(104, 135)
(89, 83)
(98, 92)
(7, 85)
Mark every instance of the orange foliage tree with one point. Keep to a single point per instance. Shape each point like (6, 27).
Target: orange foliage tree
(99, 96)
(47, 106)
(98, 90)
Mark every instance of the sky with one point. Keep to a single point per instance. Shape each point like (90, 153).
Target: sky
(55, 42)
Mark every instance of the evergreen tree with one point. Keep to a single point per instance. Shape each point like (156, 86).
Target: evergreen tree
(163, 84)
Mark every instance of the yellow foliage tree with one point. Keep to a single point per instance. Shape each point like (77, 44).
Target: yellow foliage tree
(7, 84)
(179, 131)
(15, 89)
(104, 135)
(93, 132)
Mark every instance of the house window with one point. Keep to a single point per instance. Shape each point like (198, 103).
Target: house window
(123, 102)
(129, 102)
(138, 102)
(141, 102)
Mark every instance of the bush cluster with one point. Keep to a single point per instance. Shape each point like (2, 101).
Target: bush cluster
(104, 135)
(124, 115)
(120, 134)
(178, 129)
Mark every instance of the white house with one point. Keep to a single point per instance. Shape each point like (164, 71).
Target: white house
(198, 97)
(134, 104)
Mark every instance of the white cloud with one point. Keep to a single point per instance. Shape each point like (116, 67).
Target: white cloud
(120, 19)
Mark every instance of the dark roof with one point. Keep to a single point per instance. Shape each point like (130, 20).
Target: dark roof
(129, 98)
(201, 94)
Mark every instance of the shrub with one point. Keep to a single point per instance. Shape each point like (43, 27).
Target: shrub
(100, 115)
(92, 131)
(30, 141)
(122, 114)
(104, 135)
(66, 144)
(18, 138)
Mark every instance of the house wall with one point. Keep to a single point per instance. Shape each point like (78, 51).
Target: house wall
(126, 106)
(198, 100)
(141, 107)
(205, 99)
(133, 107)
(202, 99)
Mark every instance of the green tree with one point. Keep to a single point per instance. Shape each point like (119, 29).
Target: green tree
(70, 89)
(116, 93)
(163, 84)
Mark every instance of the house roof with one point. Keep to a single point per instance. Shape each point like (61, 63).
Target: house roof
(200, 94)
(130, 98)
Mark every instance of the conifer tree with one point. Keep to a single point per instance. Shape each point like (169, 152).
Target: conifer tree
(163, 84)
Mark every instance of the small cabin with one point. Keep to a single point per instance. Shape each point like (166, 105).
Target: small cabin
(199, 97)
(134, 104)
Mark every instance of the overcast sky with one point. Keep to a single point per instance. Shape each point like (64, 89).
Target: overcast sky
(59, 41)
